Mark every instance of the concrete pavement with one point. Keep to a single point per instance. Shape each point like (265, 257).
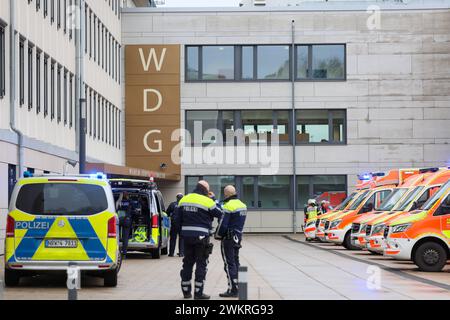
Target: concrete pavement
(279, 268)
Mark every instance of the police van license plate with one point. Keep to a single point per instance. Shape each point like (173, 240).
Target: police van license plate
(60, 243)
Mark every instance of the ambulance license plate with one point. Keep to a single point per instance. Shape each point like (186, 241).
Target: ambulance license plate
(61, 243)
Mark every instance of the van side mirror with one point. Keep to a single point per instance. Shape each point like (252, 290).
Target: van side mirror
(367, 208)
(414, 206)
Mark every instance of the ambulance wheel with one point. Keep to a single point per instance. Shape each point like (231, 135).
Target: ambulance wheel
(348, 242)
(430, 257)
(110, 278)
(12, 278)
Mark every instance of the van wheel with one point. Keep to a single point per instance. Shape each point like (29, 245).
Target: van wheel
(430, 257)
(12, 278)
(110, 278)
(348, 241)
(156, 253)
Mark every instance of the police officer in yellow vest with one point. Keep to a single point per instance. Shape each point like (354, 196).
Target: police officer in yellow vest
(195, 214)
(229, 232)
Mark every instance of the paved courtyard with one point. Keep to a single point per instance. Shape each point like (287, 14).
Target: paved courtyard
(280, 267)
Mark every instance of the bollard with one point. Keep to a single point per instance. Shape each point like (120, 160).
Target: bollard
(243, 285)
(73, 281)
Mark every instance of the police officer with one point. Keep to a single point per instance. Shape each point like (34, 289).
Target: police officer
(124, 208)
(195, 214)
(229, 232)
(175, 230)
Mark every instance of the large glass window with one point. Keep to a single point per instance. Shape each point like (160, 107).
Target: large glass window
(198, 123)
(258, 125)
(216, 184)
(332, 188)
(30, 77)
(273, 192)
(218, 63)
(328, 61)
(321, 126)
(22, 71)
(273, 62)
(248, 193)
(265, 62)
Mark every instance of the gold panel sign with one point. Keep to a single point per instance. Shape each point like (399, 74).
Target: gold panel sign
(152, 93)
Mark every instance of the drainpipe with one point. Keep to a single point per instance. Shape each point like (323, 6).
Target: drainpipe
(294, 132)
(80, 93)
(12, 78)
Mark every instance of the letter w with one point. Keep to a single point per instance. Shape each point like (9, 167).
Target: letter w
(152, 56)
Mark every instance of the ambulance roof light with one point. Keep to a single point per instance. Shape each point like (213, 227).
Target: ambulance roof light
(425, 170)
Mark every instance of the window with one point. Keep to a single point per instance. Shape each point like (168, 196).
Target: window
(274, 192)
(98, 116)
(58, 94)
(52, 11)
(328, 61)
(12, 177)
(38, 81)
(30, 77)
(61, 199)
(2, 61)
(265, 62)
(45, 86)
(22, 71)
(90, 112)
(65, 16)
(45, 8)
(65, 97)
(70, 26)
(52, 91)
(302, 62)
(58, 13)
(257, 125)
(216, 184)
(94, 111)
(273, 62)
(95, 38)
(71, 101)
(216, 63)
(321, 126)
(324, 187)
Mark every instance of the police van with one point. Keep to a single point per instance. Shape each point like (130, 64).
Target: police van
(54, 221)
(150, 224)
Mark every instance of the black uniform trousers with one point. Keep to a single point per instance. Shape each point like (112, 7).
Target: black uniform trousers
(230, 254)
(195, 253)
(125, 229)
(174, 233)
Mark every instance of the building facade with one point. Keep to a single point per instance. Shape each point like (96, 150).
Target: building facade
(344, 89)
(45, 108)
(371, 92)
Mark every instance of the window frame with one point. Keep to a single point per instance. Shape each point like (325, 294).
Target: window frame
(38, 80)
(2, 60)
(238, 60)
(311, 184)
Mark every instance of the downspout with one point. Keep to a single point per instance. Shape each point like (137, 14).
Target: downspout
(80, 93)
(12, 78)
(294, 132)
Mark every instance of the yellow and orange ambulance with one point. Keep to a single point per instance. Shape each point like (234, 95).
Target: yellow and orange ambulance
(359, 226)
(338, 228)
(431, 182)
(423, 235)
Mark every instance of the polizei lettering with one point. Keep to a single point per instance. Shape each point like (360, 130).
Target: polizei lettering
(32, 225)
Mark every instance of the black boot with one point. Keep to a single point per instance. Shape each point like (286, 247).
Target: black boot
(199, 295)
(229, 294)
(186, 287)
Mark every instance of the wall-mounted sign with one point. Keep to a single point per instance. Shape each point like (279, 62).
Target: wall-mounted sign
(152, 98)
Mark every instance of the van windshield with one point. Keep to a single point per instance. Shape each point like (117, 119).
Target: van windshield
(392, 200)
(345, 202)
(61, 199)
(359, 200)
(411, 196)
(435, 198)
